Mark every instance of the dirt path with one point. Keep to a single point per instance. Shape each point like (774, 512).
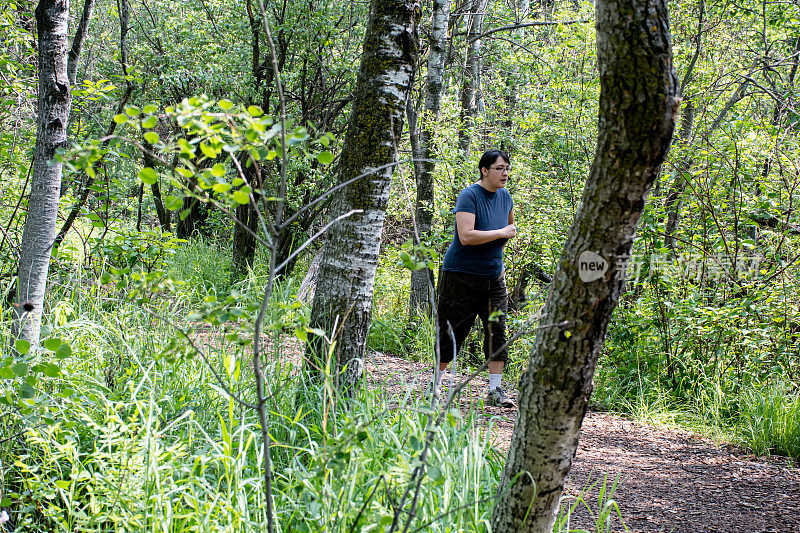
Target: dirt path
(668, 480)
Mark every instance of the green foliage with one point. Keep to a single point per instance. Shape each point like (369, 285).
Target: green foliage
(770, 421)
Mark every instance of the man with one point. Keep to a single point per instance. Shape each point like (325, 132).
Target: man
(473, 280)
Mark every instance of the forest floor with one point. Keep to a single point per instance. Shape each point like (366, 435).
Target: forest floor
(667, 479)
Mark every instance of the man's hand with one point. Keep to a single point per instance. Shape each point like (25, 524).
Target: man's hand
(468, 235)
(509, 231)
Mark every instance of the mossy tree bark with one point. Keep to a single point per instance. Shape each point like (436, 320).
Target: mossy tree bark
(638, 100)
(344, 284)
(55, 100)
(421, 295)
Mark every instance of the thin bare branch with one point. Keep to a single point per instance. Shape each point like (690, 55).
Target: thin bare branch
(528, 25)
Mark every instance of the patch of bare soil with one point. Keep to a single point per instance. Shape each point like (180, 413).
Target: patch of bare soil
(667, 480)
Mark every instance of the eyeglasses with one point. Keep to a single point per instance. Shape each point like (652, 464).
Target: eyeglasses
(501, 169)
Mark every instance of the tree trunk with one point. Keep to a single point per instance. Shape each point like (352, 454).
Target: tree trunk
(638, 101)
(512, 84)
(164, 219)
(472, 72)
(52, 18)
(345, 280)
(421, 297)
(244, 243)
(78, 40)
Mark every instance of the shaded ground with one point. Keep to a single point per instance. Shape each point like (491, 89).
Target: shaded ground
(668, 480)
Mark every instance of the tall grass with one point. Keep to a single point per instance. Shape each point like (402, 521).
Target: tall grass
(770, 421)
(135, 434)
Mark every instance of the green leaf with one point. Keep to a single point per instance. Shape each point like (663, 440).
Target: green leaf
(151, 137)
(221, 187)
(325, 157)
(173, 203)
(49, 369)
(225, 105)
(218, 170)
(62, 484)
(207, 150)
(133, 111)
(6, 372)
(149, 122)
(64, 351)
(149, 108)
(148, 176)
(20, 369)
(255, 111)
(435, 473)
(53, 344)
(120, 119)
(22, 346)
(241, 197)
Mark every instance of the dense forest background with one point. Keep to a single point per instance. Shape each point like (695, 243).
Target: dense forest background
(134, 409)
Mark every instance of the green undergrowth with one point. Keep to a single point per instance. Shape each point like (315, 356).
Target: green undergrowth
(119, 424)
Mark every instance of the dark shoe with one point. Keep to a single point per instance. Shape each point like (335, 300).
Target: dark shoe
(498, 398)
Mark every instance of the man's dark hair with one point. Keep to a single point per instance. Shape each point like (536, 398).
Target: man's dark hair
(489, 157)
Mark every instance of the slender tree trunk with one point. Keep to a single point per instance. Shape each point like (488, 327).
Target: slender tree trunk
(78, 40)
(674, 199)
(52, 18)
(345, 280)
(421, 297)
(244, 244)
(512, 84)
(75, 211)
(472, 71)
(633, 51)
(164, 219)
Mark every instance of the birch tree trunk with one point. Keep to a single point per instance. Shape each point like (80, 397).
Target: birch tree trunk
(638, 101)
(345, 280)
(421, 296)
(51, 134)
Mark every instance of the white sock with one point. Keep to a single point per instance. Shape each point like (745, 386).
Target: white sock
(494, 381)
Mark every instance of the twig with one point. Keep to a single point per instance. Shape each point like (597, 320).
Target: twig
(528, 25)
(315, 237)
(340, 186)
(366, 502)
(222, 384)
(19, 202)
(262, 414)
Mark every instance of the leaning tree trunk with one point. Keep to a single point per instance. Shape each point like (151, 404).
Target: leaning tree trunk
(345, 280)
(52, 18)
(638, 101)
(421, 296)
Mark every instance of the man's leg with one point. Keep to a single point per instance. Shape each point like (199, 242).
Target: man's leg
(494, 329)
(453, 312)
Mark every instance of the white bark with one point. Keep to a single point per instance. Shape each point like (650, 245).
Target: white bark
(421, 295)
(344, 283)
(51, 134)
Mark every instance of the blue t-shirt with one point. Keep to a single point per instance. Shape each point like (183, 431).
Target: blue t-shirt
(491, 210)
